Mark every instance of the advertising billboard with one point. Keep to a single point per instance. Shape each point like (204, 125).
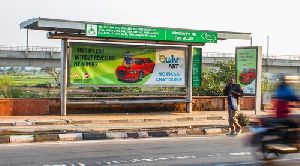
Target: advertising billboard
(119, 65)
(246, 69)
(197, 67)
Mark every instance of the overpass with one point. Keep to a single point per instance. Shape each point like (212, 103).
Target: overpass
(37, 56)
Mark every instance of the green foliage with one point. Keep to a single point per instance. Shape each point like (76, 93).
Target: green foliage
(5, 81)
(5, 84)
(215, 79)
(243, 119)
(267, 86)
(54, 73)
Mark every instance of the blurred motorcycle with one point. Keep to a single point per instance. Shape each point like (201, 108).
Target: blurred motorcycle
(274, 137)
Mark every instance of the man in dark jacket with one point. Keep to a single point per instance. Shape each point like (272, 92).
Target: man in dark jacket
(233, 91)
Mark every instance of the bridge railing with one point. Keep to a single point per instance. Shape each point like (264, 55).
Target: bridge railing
(30, 48)
(205, 54)
(265, 56)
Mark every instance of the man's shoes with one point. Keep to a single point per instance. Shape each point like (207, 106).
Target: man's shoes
(238, 132)
(230, 133)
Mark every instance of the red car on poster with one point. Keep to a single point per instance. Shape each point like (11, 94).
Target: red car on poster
(136, 71)
(248, 77)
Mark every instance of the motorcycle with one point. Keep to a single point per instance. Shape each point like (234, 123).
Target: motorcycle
(273, 138)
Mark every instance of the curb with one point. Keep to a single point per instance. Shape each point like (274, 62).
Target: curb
(21, 139)
(113, 135)
(69, 122)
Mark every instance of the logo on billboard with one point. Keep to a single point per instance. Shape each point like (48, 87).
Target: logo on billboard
(91, 30)
(172, 60)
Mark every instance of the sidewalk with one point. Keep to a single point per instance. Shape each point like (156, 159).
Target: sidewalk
(24, 129)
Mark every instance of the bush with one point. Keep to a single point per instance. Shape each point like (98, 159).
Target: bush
(243, 119)
(215, 79)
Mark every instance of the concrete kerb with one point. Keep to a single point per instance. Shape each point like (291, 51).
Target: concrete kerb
(72, 122)
(113, 135)
(70, 137)
(21, 138)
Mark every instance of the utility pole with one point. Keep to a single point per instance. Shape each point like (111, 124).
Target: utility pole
(267, 60)
(27, 49)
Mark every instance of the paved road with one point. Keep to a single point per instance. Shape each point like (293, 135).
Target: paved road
(192, 151)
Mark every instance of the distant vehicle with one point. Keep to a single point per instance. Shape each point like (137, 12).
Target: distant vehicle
(135, 72)
(248, 77)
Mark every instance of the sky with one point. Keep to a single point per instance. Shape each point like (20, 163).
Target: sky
(274, 18)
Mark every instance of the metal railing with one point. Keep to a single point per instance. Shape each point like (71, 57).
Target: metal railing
(205, 54)
(218, 55)
(30, 48)
(265, 56)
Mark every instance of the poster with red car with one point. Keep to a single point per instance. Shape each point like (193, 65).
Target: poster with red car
(116, 65)
(246, 70)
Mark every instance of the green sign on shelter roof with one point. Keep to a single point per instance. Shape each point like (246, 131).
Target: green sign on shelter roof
(150, 33)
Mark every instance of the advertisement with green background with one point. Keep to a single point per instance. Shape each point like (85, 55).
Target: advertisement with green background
(197, 67)
(126, 65)
(246, 69)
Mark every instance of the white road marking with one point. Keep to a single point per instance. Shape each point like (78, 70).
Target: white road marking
(240, 153)
(149, 160)
(185, 157)
(162, 158)
(255, 162)
(135, 160)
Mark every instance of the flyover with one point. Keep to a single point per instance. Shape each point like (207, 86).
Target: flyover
(38, 56)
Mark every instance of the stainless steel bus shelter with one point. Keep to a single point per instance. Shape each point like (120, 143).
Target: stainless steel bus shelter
(67, 30)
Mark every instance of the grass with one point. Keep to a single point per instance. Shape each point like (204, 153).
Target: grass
(30, 80)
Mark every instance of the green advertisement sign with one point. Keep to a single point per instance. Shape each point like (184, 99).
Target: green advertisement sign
(197, 66)
(150, 33)
(246, 69)
(126, 65)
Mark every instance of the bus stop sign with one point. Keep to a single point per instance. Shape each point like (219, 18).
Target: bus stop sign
(150, 33)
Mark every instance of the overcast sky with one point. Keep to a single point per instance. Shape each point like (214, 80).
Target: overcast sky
(276, 18)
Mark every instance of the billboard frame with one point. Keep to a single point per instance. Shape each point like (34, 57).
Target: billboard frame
(258, 74)
(70, 44)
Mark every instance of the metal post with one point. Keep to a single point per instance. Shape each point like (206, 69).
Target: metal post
(267, 60)
(189, 106)
(258, 80)
(63, 81)
(27, 49)
(251, 41)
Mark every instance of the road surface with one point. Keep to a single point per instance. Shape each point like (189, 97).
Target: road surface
(185, 151)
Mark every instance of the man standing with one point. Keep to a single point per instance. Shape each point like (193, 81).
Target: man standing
(233, 91)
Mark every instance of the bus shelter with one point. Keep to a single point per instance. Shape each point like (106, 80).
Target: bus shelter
(113, 55)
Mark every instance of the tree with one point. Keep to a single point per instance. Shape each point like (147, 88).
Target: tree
(215, 79)
(55, 73)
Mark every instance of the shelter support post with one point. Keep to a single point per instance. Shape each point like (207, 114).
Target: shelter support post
(63, 81)
(189, 106)
(258, 81)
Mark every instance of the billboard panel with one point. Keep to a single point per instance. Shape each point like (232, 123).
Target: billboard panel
(197, 67)
(126, 65)
(246, 68)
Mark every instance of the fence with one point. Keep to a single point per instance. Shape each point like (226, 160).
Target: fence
(30, 48)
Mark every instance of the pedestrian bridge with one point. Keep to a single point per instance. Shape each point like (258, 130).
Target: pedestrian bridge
(37, 56)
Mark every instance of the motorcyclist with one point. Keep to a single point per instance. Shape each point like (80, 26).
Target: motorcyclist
(284, 94)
